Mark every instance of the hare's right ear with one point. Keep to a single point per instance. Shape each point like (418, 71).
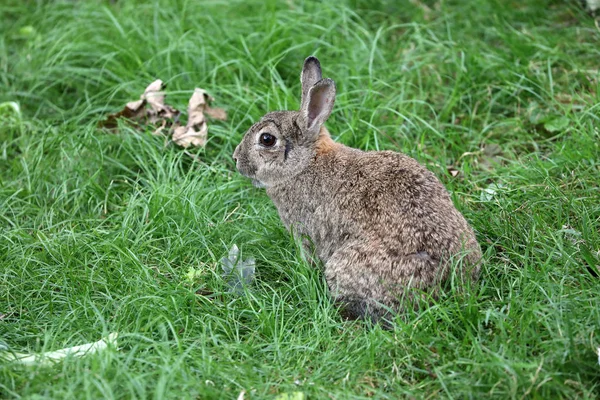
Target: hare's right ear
(311, 74)
(317, 106)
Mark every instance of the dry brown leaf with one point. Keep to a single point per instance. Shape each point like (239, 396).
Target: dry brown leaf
(185, 136)
(196, 107)
(160, 128)
(156, 99)
(195, 132)
(453, 171)
(200, 101)
(138, 112)
(216, 113)
(135, 105)
(165, 118)
(133, 111)
(154, 96)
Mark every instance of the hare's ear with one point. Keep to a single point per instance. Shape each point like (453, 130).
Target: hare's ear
(318, 105)
(311, 74)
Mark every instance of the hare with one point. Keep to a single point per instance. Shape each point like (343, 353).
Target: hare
(383, 225)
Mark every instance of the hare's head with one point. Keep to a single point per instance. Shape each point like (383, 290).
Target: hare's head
(282, 144)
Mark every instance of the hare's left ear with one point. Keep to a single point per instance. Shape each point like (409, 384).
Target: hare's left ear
(317, 106)
(311, 74)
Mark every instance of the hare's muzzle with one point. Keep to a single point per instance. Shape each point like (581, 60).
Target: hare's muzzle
(235, 153)
(239, 164)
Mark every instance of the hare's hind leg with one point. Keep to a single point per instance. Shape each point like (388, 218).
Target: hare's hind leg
(370, 282)
(359, 308)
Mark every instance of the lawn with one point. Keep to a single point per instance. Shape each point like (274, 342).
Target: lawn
(122, 232)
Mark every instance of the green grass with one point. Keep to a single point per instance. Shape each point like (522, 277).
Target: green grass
(98, 231)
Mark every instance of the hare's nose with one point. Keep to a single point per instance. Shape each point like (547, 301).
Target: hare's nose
(235, 154)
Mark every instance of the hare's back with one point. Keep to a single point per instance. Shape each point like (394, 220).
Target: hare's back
(392, 198)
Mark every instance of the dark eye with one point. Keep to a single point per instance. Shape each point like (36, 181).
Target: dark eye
(267, 140)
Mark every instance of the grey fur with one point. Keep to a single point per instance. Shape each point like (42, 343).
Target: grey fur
(382, 224)
(317, 107)
(311, 74)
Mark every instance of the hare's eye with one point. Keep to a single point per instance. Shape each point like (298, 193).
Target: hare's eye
(267, 140)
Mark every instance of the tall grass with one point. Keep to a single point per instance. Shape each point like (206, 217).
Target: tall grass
(98, 232)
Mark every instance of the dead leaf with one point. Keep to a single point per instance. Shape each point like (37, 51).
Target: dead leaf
(136, 111)
(154, 96)
(156, 99)
(196, 107)
(185, 136)
(135, 106)
(195, 131)
(453, 171)
(160, 128)
(133, 111)
(166, 118)
(216, 113)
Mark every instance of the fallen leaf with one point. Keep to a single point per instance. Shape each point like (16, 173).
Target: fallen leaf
(239, 272)
(151, 109)
(197, 104)
(135, 106)
(195, 131)
(154, 95)
(159, 129)
(156, 99)
(453, 171)
(132, 111)
(136, 111)
(186, 136)
(216, 113)
(57, 355)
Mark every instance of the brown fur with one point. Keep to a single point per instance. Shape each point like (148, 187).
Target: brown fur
(383, 225)
(324, 143)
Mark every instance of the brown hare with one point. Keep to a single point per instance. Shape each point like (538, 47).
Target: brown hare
(382, 224)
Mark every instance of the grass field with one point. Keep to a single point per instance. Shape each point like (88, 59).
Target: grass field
(99, 232)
